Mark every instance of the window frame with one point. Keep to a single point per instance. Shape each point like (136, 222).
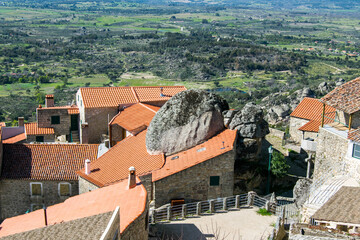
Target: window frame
(65, 183)
(52, 120)
(212, 179)
(356, 145)
(41, 187)
(36, 138)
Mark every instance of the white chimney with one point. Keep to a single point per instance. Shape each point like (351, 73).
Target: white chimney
(132, 177)
(87, 167)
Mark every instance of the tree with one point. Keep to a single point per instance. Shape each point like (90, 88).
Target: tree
(279, 166)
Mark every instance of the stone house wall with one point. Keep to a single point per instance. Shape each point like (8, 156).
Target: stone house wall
(193, 184)
(146, 181)
(345, 118)
(44, 120)
(138, 229)
(15, 197)
(47, 138)
(116, 134)
(295, 124)
(86, 186)
(312, 135)
(333, 156)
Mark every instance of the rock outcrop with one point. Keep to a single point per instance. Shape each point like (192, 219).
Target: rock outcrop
(249, 122)
(301, 191)
(188, 118)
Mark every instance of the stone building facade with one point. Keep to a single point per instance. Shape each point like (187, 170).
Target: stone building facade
(86, 186)
(46, 137)
(334, 155)
(344, 118)
(295, 124)
(194, 183)
(16, 198)
(138, 229)
(57, 118)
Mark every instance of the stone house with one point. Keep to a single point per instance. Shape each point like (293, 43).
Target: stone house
(203, 172)
(305, 121)
(38, 175)
(341, 211)
(113, 166)
(131, 121)
(97, 106)
(118, 211)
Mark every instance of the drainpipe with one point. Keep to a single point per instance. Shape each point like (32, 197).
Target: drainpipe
(323, 116)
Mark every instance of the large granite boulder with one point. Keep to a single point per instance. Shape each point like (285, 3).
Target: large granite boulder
(301, 191)
(249, 122)
(187, 119)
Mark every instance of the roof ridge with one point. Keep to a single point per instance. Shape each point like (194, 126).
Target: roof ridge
(135, 94)
(145, 106)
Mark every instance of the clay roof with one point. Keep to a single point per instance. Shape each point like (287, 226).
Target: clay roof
(354, 135)
(15, 139)
(215, 146)
(114, 96)
(311, 109)
(345, 97)
(114, 164)
(343, 206)
(45, 161)
(75, 229)
(33, 129)
(73, 109)
(132, 203)
(135, 116)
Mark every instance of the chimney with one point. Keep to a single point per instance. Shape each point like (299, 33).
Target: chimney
(87, 167)
(132, 177)
(49, 101)
(20, 121)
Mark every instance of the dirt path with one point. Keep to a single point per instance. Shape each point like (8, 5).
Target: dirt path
(245, 224)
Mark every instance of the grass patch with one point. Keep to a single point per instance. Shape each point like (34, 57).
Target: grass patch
(264, 212)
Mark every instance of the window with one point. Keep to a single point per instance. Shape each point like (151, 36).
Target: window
(64, 189)
(36, 189)
(356, 151)
(39, 138)
(36, 206)
(55, 119)
(214, 181)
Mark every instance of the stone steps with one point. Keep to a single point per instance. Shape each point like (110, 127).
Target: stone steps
(75, 136)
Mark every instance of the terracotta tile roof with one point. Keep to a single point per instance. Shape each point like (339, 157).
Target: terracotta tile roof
(311, 109)
(132, 203)
(150, 94)
(75, 229)
(73, 110)
(343, 206)
(114, 96)
(15, 139)
(107, 96)
(354, 135)
(49, 96)
(33, 129)
(215, 146)
(135, 116)
(345, 97)
(46, 161)
(114, 164)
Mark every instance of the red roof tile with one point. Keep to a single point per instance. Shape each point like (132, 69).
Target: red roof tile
(135, 116)
(114, 96)
(114, 164)
(73, 110)
(151, 94)
(45, 161)
(354, 135)
(15, 139)
(132, 203)
(345, 97)
(311, 109)
(215, 146)
(33, 129)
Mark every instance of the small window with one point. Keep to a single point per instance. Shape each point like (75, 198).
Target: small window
(55, 119)
(36, 189)
(39, 138)
(36, 206)
(64, 189)
(214, 181)
(356, 151)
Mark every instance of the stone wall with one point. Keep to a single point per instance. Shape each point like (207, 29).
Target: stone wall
(312, 135)
(277, 133)
(114, 227)
(97, 119)
(86, 186)
(146, 181)
(117, 134)
(15, 197)
(44, 120)
(345, 118)
(295, 124)
(138, 229)
(333, 156)
(47, 138)
(193, 184)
